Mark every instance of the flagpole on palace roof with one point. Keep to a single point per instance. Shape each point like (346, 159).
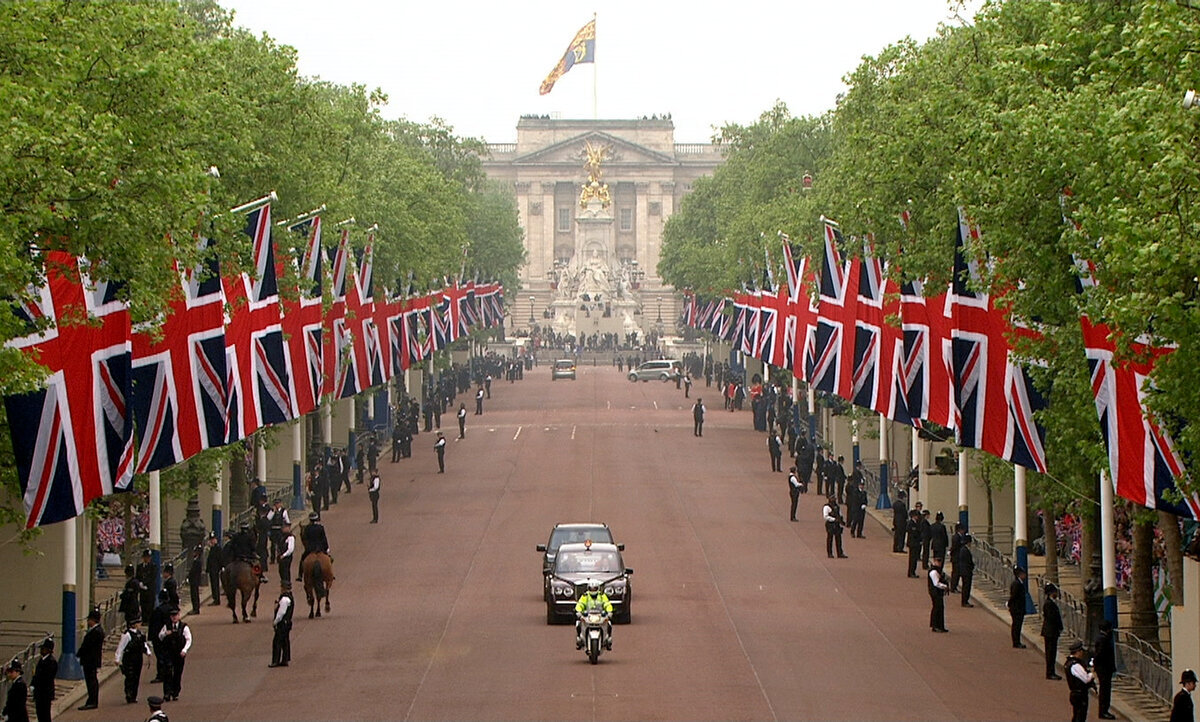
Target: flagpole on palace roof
(595, 74)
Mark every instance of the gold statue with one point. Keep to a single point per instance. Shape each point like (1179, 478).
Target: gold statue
(595, 188)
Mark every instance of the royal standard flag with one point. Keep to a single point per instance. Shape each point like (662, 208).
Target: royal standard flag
(581, 50)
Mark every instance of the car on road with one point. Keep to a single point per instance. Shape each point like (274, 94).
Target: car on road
(573, 533)
(662, 369)
(564, 368)
(577, 564)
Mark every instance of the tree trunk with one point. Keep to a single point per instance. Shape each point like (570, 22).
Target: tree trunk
(1087, 546)
(1143, 617)
(1168, 525)
(1050, 534)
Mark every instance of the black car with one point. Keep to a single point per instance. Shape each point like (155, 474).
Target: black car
(572, 533)
(577, 564)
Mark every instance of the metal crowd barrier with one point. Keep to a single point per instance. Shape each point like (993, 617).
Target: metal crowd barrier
(28, 658)
(1137, 659)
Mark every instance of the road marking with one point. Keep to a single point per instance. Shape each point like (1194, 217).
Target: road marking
(656, 405)
(517, 434)
(608, 405)
(573, 432)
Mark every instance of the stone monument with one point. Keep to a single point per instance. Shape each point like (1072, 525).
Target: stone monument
(593, 294)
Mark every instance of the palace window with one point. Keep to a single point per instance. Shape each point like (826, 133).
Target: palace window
(564, 220)
(626, 219)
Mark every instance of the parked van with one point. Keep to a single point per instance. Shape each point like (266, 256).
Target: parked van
(663, 370)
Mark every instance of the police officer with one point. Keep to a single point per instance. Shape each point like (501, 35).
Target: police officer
(1016, 606)
(169, 585)
(966, 569)
(14, 704)
(90, 654)
(287, 554)
(194, 575)
(899, 522)
(833, 526)
(793, 489)
(1182, 708)
(440, 447)
(131, 594)
(1079, 680)
(175, 641)
(937, 594)
(1052, 627)
(147, 574)
(912, 530)
(43, 680)
(939, 539)
(281, 643)
(132, 651)
(313, 538)
(276, 518)
(213, 565)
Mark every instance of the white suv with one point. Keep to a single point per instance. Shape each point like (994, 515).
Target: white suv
(663, 370)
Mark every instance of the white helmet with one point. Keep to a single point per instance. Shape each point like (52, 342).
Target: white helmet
(593, 587)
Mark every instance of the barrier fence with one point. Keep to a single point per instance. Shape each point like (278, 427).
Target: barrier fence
(1137, 660)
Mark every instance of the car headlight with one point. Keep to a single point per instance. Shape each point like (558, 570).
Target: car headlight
(617, 589)
(565, 591)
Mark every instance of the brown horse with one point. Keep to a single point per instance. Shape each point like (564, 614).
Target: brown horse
(317, 571)
(241, 576)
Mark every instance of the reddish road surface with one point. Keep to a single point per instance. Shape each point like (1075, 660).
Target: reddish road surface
(737, 614)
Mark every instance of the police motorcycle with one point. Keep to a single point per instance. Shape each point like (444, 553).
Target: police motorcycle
(595, 628)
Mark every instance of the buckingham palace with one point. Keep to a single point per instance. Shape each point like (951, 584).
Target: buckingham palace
(593, 196)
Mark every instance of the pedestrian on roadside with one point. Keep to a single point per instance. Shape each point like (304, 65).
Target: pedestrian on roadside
(833, 527)
(43, 680)
(440, 447)
(1104, 664)
(90, 655)
(698, 417)
(479, 402)
(281, 642)
(487, 385)
(462, 421)
(131, 655)
(687, 385)
(1079, 680)
(1052, 627)
(373, 495)
(1016, 605)
(966, 569)
(176, 639)
(1182, 708)
(937, 595)
(15, 704)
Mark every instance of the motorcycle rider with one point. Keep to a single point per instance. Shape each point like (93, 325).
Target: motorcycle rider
(594, 598)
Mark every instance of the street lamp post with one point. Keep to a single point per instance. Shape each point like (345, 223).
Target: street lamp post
(531, 319)
(659, 299)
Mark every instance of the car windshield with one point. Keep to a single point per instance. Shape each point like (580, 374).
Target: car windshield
(588, 562)
(600, 535)
(564, 364)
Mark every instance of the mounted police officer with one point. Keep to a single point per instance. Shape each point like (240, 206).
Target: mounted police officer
(313, 538)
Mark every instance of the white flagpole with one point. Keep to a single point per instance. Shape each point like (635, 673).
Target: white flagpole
(595, 74)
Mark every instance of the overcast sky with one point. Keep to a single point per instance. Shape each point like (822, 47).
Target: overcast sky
(478, 65)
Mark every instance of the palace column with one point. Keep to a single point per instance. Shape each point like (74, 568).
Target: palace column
(549, 227)
(641, 225)
(667, 189)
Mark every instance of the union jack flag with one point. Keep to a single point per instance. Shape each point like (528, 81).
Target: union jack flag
(877, 382)
(302, 318)
(988, 382)
(179, 394)
(773, 314)
(925, 360)
(833, 338)
(73, 439)
(335, 342)
(801, 314)
(259, 368)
